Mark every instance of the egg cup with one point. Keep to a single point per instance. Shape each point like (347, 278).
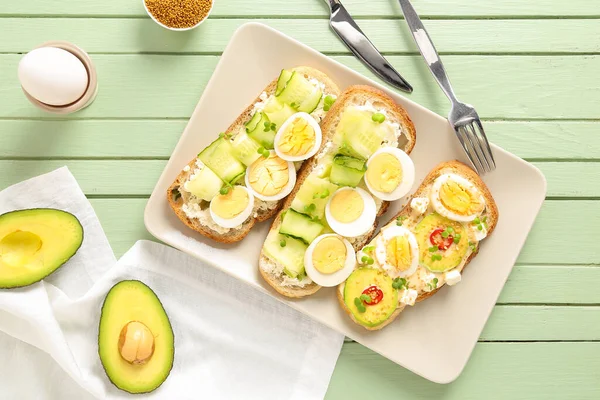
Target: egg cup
(88, 95)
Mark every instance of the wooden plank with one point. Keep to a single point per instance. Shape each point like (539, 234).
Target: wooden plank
(543, 284)
(359, 8)
(390, 36)
(564, 232)
(157, 138)
(496, 371)
(159, 86)
(138, 177)
(542, 323)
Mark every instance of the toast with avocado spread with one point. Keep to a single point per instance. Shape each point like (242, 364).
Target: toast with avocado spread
(426, 246)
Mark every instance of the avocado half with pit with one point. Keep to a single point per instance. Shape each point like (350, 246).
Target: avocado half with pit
(34, 243)
(135, 338)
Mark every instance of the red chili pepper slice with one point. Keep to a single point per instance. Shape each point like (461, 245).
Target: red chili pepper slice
(375, 293)
(438, 240)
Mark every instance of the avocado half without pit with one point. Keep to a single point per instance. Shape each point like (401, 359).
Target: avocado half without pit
(135, 338)
(34, 243)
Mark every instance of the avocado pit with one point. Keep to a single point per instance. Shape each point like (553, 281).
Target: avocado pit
(136, 343)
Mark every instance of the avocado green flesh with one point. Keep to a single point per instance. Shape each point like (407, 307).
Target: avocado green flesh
(376, 314)
(134, 301)
(453, 256)
(35, 243)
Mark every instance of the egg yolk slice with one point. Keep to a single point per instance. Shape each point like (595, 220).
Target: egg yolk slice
(329, 255)
(269, 176)
(384, 173)
(297, 139)
(398, 253)
(231, 204)
(459, 199)
(346, 206)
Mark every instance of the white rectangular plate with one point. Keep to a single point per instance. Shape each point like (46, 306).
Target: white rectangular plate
(433, 339)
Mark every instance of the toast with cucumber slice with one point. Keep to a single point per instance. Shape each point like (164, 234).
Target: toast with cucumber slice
(217, 173)
(426, 246)
(362, 122)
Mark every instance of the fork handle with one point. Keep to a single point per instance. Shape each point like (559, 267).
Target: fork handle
(427, 48)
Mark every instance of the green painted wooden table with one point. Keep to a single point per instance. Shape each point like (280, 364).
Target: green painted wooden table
(530, 67)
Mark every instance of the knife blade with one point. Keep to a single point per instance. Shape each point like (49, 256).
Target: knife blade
(353, 37)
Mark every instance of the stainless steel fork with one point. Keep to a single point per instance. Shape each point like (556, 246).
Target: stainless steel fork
(463, 117)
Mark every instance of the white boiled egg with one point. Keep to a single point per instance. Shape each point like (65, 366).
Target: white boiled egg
(456, 198)
(390, 173)
(53, 76)
(351, 212)
(329, 260)
(397, 251)
(232, 209)
(271, 178)
(299, 138)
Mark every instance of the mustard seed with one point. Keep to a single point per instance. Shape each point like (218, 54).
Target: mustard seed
(179, 13)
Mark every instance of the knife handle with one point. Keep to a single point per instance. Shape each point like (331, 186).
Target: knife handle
(427, 48)
(332, 4)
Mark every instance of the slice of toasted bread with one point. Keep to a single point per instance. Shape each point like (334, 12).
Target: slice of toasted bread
(455, 167)
(262, 210)
(354, 95)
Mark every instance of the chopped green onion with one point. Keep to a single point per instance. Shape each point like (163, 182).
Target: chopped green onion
(273, 127)
(479, 227)
(450, 229)
(370, 261)
(326, 107)
(329, 100)
(378, 117)
(325, 193)
(445, 234)
(261, 150)
(366, 298)
(435, 282)
(359, 305)
(364, 259)
(400, 220)
(266, 153)
(436, 257)
(399, 283)
(283, 243)
(369, 248)
(457, 238)
(476, 221)
(224, 190)
(433, 248)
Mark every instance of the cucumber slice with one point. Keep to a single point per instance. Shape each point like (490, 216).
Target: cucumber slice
(291, 255)
(300, 226)
(361, 137)
(220, 159)
(311, 103)
(245, 148)
(259, 129)
(315, 191)
(278, 112)
(282, 81)
(204, 185)
(347, 171)
(296, 91)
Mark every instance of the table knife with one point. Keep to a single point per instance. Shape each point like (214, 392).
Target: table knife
(348, 31)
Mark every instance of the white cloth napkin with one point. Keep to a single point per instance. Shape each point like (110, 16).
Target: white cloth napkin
(231, 341)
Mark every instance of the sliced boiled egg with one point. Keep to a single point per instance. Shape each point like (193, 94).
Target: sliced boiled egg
(390, 173)
(231, 209)
(351, 212)
(397, 251)
(329, 260)
(456, 198)
(299, 138)
(271, 178)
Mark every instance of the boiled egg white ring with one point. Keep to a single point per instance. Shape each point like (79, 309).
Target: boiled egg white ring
(287, 189)
(360, 226)
(381, 256)
(238, 219)
(408, 174)
(318, 137)
(329, 280)
(439, 207)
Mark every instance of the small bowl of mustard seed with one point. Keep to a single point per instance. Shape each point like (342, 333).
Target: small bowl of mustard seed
(178, 15)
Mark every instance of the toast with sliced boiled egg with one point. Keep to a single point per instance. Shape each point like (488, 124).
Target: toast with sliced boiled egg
(426, 246)
(243, 176)
(362, 164)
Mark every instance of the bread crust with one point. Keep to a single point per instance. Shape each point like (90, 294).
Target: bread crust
(352, 95)
(466, 172)
(237, 234)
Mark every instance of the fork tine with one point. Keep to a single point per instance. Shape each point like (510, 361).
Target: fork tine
(466, 144)
(478, 146)
(489, 155)
(480, 166)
